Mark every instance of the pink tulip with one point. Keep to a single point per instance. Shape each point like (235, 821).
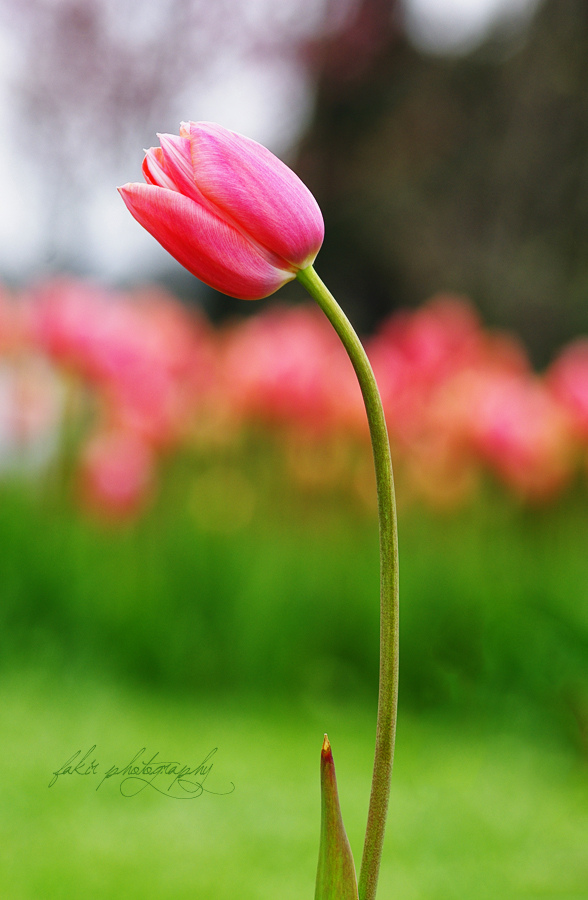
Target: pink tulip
(117, 475)
(150, 362)
(520, 430)
(277, 367)
(568, 381)
(227, 209)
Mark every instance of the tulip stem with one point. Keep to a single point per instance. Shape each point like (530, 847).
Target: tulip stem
(388, 690)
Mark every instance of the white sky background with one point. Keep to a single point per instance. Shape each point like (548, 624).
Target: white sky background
(457, 26)
(270, 101)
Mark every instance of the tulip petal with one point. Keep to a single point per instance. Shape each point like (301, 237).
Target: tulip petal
(207, 246)
(154, 171)
(177, 161)
(256, 189)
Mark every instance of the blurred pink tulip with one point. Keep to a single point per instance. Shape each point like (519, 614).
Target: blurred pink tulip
(435, 367)
(152, 362)
(286, 367)
(416, 352)
(415, 355)
(117, 475)
(147, 377)
(227, 209)
(568, 381)
(520, 431)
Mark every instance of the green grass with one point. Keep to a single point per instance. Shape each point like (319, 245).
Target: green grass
(242, 614)
(235, 580)
(479, 809)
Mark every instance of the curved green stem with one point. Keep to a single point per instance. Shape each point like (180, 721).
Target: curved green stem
(388, 692)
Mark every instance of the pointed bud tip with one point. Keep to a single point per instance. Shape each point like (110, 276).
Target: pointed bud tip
(326, 752)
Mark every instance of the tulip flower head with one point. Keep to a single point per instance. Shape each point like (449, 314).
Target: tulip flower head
(227, 209)
(243, 222)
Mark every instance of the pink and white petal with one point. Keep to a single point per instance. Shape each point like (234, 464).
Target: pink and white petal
(153, 170)
(258, 191)
(177, 159)
(207, 246)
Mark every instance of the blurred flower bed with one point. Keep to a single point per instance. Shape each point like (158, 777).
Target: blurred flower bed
(234, 466)
(116, 383)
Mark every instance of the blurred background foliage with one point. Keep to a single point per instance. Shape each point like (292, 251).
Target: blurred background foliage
(186, 499)
(202, 500)
(465, 173)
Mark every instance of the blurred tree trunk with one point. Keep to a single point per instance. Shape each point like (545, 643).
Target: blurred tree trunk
(467, 174)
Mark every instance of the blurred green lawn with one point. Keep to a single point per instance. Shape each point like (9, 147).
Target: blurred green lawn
(494, 596)
(242, 614)
(476, 811)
